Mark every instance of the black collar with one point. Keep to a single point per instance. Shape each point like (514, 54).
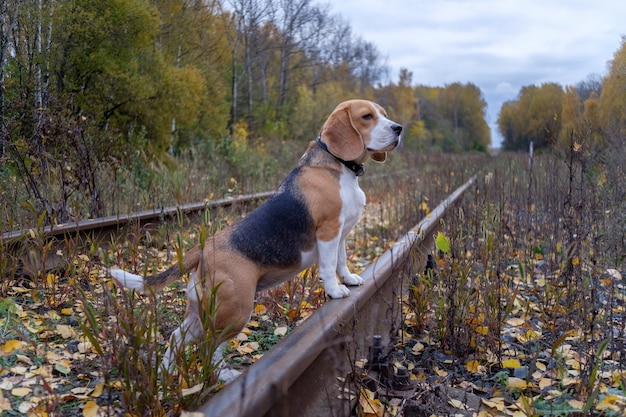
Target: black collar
(358, 169)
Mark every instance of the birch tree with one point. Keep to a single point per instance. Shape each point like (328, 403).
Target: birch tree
(249, 15)
(8, 22)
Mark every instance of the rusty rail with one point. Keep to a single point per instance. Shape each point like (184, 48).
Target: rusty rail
(101, 229)
(301, 375)
(138, 217)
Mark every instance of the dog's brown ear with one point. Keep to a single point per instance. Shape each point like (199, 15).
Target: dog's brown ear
(379, 156)
(342, 138)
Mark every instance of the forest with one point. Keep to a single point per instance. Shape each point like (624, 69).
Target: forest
(91, 90)
(99, 93)
(550, 115)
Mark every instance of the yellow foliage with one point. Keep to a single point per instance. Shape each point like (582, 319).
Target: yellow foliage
(511, 363)
(12, 345)
(472, 366)
(240, 136)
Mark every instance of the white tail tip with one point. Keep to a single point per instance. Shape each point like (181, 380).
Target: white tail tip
(126, 279)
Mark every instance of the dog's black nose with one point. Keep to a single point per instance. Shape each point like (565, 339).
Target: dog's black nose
(397, 129)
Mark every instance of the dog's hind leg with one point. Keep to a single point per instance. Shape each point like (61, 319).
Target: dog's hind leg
(189, 330)
(224, 372)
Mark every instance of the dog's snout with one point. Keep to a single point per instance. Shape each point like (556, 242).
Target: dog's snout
(397, 128)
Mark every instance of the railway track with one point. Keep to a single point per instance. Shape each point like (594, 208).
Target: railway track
(307, 373)
(100, 230)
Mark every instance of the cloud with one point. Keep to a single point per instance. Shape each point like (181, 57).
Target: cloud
(499, 45)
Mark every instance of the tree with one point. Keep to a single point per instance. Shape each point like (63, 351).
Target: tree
(571, 114)
(8, 22)
(534, 117)
(590, 85)
(463, 109)
(193, 39)
(401, 102)
(293, 16)
(509, 125)
(612, 110)
(249, 17)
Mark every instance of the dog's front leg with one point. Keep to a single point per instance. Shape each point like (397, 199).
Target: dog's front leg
(344, 273)
(328, 257)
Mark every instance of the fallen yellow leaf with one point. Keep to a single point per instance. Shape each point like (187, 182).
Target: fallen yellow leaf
(81, 390)
(577, 404)
(29, 408)
(511, 363)
(281, 331)
(528, 336)
(33, 330)
(611, 402)
(5, 403)
(63, 367)
(116, 384)
(90, 409)
(517, 383)
(260, 310)
(482, 330)
(21, 391)
(53, 357)
(497, 403)
(370, 407)
(515, 321)
(417, 348)
(12, 345)
(457, 404)
(248, 348)
(65, 331)
(24, 359)
(84, 347)
(20, 370)
(97, 391)
(545, 383)
(472, 366)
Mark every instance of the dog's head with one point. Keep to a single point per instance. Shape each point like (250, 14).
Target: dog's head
(360, 127)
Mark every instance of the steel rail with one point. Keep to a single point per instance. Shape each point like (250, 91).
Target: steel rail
(300, 375)
(140, 217)
(143, 216)
(101, 229)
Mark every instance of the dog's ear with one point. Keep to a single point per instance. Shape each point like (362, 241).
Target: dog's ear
(379, 156)
(342, 138)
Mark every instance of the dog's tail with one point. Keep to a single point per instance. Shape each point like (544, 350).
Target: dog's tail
(161, 280)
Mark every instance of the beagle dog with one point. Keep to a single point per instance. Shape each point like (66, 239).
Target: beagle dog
(304, 222)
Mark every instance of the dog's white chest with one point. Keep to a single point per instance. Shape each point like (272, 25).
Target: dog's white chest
(352, 198)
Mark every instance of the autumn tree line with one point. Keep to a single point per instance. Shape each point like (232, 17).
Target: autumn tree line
(88, 86)
(593, 111)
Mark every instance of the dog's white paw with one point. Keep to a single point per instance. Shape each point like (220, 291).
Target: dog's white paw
(353, 279)
(339, 291)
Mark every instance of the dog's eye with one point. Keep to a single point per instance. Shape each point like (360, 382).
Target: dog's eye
(368, 116)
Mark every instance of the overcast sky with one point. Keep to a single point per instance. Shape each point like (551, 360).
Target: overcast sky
(499, 45)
